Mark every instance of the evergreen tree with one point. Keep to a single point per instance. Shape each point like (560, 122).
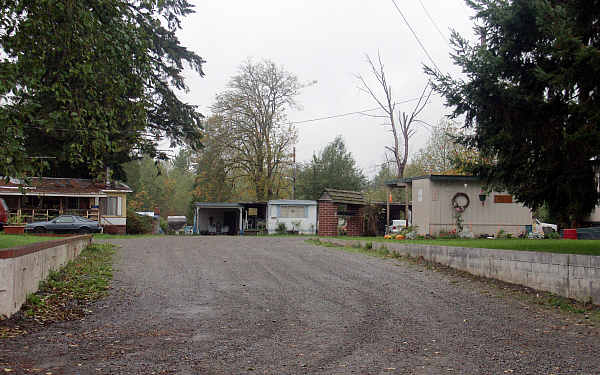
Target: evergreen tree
(532, 98)
(88, 84)
(334, 167)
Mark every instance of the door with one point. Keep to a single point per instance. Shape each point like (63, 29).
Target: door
(63, 224)
(230, 219)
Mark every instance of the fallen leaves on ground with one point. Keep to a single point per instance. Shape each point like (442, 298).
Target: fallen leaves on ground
(65, 294)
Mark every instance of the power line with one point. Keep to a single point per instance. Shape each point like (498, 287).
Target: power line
(415, 35)
(433, 22)
(348, 113)
(360, 112)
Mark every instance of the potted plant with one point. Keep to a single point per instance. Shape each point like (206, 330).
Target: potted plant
(15, 225)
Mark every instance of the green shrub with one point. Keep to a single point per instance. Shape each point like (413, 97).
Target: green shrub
(552, 235)
(137, 224)
(164, 225)
(281, 228)
(33, 300)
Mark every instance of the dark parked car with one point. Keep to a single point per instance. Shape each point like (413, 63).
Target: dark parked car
(65, 224)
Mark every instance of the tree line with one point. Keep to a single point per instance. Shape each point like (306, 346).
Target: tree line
(88, 88)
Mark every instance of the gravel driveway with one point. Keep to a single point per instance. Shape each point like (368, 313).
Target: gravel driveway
(246, 305)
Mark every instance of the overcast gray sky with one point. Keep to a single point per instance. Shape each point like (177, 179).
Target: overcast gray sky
(326, 41)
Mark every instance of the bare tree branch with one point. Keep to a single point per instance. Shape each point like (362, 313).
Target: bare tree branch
(403, 129)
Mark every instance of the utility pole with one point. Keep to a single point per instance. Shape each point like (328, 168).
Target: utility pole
(294, 178)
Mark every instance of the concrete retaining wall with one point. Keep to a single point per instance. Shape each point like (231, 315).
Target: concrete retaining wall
(571, 276)
(22, 268)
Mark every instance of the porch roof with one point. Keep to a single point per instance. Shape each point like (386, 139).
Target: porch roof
(217, 205)
(343, 197)
(60, 187)
(292, 202)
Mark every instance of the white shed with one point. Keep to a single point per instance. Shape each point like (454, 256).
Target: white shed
(297, 215)
(437, 201)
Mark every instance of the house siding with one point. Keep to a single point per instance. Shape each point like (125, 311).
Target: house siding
(308, 224)
(116, 224)
(434, 213)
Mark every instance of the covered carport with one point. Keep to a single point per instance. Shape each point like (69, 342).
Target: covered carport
(218, 218)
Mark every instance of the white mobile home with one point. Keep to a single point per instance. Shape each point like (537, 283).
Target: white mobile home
(296, 215)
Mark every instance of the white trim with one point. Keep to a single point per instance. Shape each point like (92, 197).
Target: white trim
(116, 191)
(113, 220)
(42, 194)
(119, 206)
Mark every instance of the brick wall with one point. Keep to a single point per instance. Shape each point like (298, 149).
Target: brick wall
(354, 223)
(328, 220)
(115, 229)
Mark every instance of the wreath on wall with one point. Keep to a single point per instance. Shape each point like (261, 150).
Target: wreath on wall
(460, 202)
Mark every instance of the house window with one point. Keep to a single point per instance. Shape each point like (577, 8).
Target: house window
(503, 198)
(292, 212)
(110, 206)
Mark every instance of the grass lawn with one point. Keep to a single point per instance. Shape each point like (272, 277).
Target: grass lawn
(584, 247)
(14, 240)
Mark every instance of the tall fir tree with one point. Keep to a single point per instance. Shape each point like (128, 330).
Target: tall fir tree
(531, 96)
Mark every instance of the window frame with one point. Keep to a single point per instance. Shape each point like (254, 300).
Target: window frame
(302, 210)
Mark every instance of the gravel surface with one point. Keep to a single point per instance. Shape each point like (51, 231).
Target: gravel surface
(246, 305)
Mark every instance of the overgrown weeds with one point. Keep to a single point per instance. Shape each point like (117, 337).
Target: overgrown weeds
(66, 294)
(382, 251)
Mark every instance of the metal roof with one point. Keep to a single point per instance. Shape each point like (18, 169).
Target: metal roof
(432, 177)
(217, 205)
(344, 196)
(292, 202)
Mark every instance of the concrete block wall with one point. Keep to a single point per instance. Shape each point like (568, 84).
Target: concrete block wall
(328, 219)
(567, 275)
(22, 268)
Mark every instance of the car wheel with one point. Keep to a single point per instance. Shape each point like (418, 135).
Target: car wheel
(39, 230)
(84, 230)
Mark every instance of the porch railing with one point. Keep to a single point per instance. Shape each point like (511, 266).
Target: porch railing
(30, 215)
